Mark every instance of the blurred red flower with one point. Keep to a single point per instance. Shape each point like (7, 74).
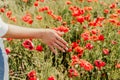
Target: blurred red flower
(2, 10)
(51, 78)
(39, 48)
(32, 75)
(80, 19)
(89, 46)
(36, 3)
(7, 50)
(117, 66)
(75, 60)
(101, 37)
(79, 50)
(25, 0)
(62, 29)
(39, 17)
(72, 73)
(27, 18)
(106, 51)
(68, 2)
(86, 65)
(8, 14)
(28, 44)
(99, 64)
(42, 0)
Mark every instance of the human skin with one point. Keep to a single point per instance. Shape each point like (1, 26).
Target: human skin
(48, 36)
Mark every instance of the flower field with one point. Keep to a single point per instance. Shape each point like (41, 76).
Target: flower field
(91, 28)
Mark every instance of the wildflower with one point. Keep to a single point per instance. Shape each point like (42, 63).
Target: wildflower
(62, 29)
(79, 50)
(39, 48)
(32, 75)
(80, 19)
(114, 42)
(42, 0)
(72, 73)
(106, 11)
(89, 46)
(51, 78)
(25, 0)
(13, 19)
(113, 5)
(27, 18)
(2, 10)
(39, 17)
(28, 44)
(8, 14)
(36, 3)
(85, 36)
(101, 37)
(99, 64)
(75, 60)
(68, 2)
(117, 66)
(86, 65)
(7, 50)
(106, 51)
(9, 39)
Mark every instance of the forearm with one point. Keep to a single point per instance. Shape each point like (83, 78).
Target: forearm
(17, 32)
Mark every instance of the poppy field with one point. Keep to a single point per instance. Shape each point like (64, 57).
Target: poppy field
(91, 28)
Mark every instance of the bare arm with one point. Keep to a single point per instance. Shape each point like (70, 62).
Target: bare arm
(17, 32)
(48, 36)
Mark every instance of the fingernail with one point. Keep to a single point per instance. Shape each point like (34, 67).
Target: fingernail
(63, 50)
(66, 48)
(67, 44)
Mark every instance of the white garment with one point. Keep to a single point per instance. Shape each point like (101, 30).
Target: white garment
(3, 28)
(4, 69)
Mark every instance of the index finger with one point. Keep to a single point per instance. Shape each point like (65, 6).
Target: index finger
(61, 40)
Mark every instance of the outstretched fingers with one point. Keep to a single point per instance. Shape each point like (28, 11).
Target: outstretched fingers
(52, 49)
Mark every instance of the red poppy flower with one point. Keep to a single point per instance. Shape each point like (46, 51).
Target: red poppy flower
(79, 50)
(68, 2)
(117, 66)
(99, 64)
(28, 44)
(2, 10)
(39, 48)
(106, 51)
(42, 0)
(25, 0)
(39, 17)
(8, 14)
(106, 11)
(51, 78)
(36, 3)
(72, 73)
(32, 75)
(75, 60)
(86, 65)
(114, 42)
(101, 37)
(27, 18)
(62, 29)
(89, 46)
(9, 39)
(7, 50)
(74, 45)
(80, 19)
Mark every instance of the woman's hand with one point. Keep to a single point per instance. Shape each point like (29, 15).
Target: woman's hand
(54, 40)
(48, 36)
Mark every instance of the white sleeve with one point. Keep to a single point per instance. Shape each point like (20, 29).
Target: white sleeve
(3, 28)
